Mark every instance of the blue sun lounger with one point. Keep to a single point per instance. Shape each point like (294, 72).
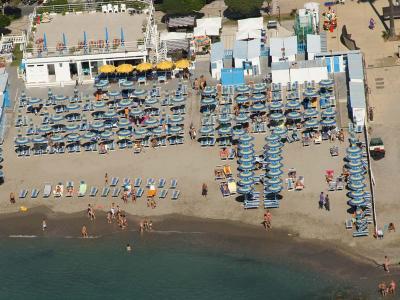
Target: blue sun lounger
(137, 182)
(162, 193)
(126, 182)
(360, 233)
(161, 183)
(93, 191)
(150, 181)
(175, 195)
(251, 204)
(116, 192)
(23, 193)
(34, 193)
(105, 191)
(139, 192)
(174, 184)
(114, 181)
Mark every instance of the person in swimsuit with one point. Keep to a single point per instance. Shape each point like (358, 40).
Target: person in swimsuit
(386, 264)
(84, 232)
(392, 287)
(128, 248)
(12, 198)
(44, 225)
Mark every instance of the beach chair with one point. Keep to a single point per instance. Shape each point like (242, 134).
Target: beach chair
(334, 151)
(339, 183)
(219, 173)
(289, 184)
(82, 189)
(23, 193)
(137, 182)
(248, 204)
(349, 224)
(70, 188)
(332, 186)
(123, 7)
(34, 193)
(161, 183)
(232, 187)
(175, 195)
(150, 181)
(116, 192)
(139, 192)
(223, 186)
(360, 233)
(105, 191)
(114, 181)
(271, 204)
(174, 184)
(104, 9)
(47, 190)
(162, 193)
(109, 8)
(93, 191)
(126, 181)
(299, 184)
(116, 8)
(227, 171)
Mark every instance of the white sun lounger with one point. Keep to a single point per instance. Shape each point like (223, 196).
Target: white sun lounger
(47, 190)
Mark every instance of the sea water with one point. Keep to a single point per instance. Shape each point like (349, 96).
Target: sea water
(161, 266)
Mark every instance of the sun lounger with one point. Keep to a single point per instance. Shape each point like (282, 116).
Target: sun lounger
(93, 191)
(105, 191)
(114, 181)
(139, 192)
(174, 183)
(289, 184)
(149, 182)
(34, 193)
(175, 195)
(137, 182)
(223, 186)
(334, 151)
(339, 183)
(70, 188)
(116, 192)
(332, 186)
(162, 193)
(360, 233)
(82, 189)
(219, 173)
(227, 170)
(299, 184)
(47, 190)
(271, 204)
(126, 182)
(251, 204)
(161, 183)
(59, 190)
(23, 193)
(349, 224)
(232, 186)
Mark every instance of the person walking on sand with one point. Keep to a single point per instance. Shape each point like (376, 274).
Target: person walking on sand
(106, 179)
(321, 201)
(12, 198)
(44, 225)
(382, 288)
(327, 204)
(84, 232)
(204, 190)
(386, 264)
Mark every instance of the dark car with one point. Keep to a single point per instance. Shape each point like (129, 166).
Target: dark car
(376, 148)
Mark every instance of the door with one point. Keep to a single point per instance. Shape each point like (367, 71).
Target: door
(336, 64)
(328, 64)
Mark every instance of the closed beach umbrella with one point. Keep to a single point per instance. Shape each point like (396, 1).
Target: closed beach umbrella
(310, 113)
(89, 135)
(241, 89)
(241, 118)
(246, 174)
(246, 138)
(107, 69)
(182, 64)
(125, 102)
(123, 123)
(114, 93)
(106, 135)
(357, 202)
(275, 106)
(272, 138)
(57, 138)
(135, 112)
(124, 133)
(125, 68)
(99, 104)
(353, 150)
(276, 116)
(246, 182)
(127, 84)
(150, 101)
(97, 125)
(356, 171)
(354, 164)
(73, 107)
(328, 113)
(72, 127)
(274, 173)
(144, 67)
(109, 114)
(326, 82)
(258, 107)
(293, 104)
(258, 97)
(178, 99)
(151, 121)
(244, 190)
(45, 129)
(294, 115)
(73, 137)
(353, 156)
(208, 101)
(175, 119)
(328, 122)
(56, 118)
(241, 99)
(34, 101)
(311, 123)
(309, 93)
(139, 92)
(165, 65)
(356, 186)
(21, 140)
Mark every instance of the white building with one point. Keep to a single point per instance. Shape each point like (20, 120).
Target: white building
(217, 59)
(283, 48)
(246, 55)
(313, 45)
(280, 72)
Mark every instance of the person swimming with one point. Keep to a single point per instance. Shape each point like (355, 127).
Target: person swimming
(128, 248)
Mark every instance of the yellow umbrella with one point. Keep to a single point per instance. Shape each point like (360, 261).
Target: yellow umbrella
(165, 65)
(182, 64)
(143, 67)
(107, 69)
(125, 68)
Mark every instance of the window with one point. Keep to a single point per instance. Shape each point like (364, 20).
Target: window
(60, 65)
(50, 69)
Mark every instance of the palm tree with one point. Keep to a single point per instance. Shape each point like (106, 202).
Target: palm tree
(392, 31)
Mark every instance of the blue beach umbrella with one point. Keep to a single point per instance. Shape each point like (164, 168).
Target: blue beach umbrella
(246, 182)
(99, 104)
(275, 158)
(101, 84)
(356, 171)
(205, 130)
(273, 152)
(310, 113)
(311, 123)
(326, 82)
(97, 125)
(139, 92)
(225, 131)
(276, 116)
(246, 138)
(245, 146)
(150, 101)
(274, 181)
(356, 186)
(175, 119)
(248, 159)
(110, 114)
(328, 122)
(274, 165)
(238, 131)
(127, 84)
(353, 150)
(274, 144)
(272, 138)
(280, 131)
(258, 97)
(73, 107)
(89, 135)
(209, 91)
(275, 106)
(259, 87)
(224, 119)
(114, 93)
(60, 97)
(246, 166)
(106, 135)
(34, 101)
(208, 101)
(294, 115)
(135, 112)
(354, 164)
(356, 194)
(356, 177)
(72, 127)
(328, 113)
(246, 174)
(309, 93)
(274, 173)
(56, 118)
(175, 129)
(21, 141)
(39, 140)
(293, 104)
(241, 89)
(241, 118)
(258, 107)
(124, 133)
(57, 138)
(178, 99)
(246, 152)
(244, 190)
(73, 137)
(123, 123)
(357, 202)
(45, 129)
(141, 131)
(157, 131)
(353, 156)
(151, 121)
(125, 102)
(274, 189)
(241, 99)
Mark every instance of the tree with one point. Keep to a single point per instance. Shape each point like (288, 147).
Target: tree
(392, 30)
(182, 7)
(4, 21)
(239, 9)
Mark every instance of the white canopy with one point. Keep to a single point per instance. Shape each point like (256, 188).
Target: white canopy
(208, 26)
(250, 24)
(250, 34)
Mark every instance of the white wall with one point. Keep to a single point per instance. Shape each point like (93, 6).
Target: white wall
(255, 62)
(281, 76)
(216, 72)
(308, 74)
(62, 71)
(288, 58)
(37, 73)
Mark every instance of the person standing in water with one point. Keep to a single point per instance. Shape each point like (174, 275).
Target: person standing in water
(84, 232)
(44, 225)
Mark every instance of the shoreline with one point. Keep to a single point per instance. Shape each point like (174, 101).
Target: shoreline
(320, 254)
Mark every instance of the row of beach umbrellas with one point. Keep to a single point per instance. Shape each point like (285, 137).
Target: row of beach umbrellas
(144, 67)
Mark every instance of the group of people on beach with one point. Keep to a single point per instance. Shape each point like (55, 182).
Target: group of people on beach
(385, 289)
(145, 225)
(115, 213)
(324, 201)
(199, 84)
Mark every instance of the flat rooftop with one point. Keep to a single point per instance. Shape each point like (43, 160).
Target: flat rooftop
(94, 24)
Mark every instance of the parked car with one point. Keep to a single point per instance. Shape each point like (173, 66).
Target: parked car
(376, 148)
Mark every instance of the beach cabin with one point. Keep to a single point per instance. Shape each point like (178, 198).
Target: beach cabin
(357, 103)
(246, 55)
(355, 67)
(217, 59)
(308, 70)
(313, 45)
(280, 72)
(283, 48)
